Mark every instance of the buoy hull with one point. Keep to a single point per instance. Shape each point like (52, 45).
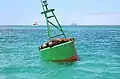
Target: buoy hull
(62, 52)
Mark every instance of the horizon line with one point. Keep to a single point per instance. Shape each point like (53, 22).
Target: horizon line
(63, 25)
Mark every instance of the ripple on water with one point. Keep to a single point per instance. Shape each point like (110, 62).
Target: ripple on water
(97, 47)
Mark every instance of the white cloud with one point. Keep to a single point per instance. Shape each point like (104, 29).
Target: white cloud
(100, 19)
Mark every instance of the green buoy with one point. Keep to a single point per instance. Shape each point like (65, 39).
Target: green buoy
(60, 49)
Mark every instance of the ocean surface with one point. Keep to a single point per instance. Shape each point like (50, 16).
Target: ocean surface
(98, 48)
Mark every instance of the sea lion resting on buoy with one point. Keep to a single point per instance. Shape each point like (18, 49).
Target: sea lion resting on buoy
(67, 39)
(62, 40)
(59, 41)
(45, 45)
(56, 41)
(53, 43)
(50, 43)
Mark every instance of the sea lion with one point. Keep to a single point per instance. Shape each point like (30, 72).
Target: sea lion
(53, 43)
(45, 45)
(59, 40)
(66, 39)
(72, 39)
(56, 41)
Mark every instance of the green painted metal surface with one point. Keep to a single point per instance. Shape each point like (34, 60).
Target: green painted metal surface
(59, 52)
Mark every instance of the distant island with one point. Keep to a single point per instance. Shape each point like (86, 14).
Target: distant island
(74, 24)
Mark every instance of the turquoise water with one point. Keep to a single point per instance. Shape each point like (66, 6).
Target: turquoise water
(97, 46)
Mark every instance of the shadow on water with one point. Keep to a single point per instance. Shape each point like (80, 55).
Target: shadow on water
(65, 63)
(55, 64)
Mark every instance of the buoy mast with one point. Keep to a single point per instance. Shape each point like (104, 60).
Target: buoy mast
(46, 10)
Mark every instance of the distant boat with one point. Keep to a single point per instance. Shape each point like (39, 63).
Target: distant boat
(35, 23)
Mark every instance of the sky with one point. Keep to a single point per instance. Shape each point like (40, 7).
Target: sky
(82, 12)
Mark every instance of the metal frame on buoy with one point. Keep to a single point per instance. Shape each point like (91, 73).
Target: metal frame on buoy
(54, 49)
(46, 10)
